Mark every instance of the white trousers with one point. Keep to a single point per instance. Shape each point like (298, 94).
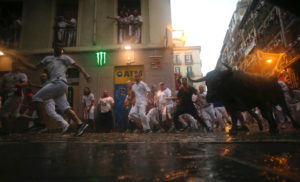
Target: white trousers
(221, 113)
(54, 90)
(190, 118)
(50, 109)
(208, 114)
(167, 112)
(11, 106)
(153, 117)
(138, 112)
(88, 115)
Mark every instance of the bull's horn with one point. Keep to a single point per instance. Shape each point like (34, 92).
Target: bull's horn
(198, 80)
(227, 66)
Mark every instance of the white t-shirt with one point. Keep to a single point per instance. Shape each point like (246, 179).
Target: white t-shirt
(62, 24)
(57, 66)
(87, 99)
(161, 97)
(122, 21)
(137, 19)
(140, 91)
(105, 103)
(11, 79)
(204, 102)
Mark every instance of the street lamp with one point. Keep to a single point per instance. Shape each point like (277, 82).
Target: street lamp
(1, 53)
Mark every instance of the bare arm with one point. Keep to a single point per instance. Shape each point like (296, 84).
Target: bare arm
(31, 66)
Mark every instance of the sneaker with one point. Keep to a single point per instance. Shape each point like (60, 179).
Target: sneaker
(148, 131)
(43, 130)
(65, 129)
(81, 129)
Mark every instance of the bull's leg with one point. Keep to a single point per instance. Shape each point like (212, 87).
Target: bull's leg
(242, 120)
(233, 130)
(267, 113)
(257, 119)
(287, 112)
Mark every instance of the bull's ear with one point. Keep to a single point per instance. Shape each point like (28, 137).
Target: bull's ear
(227, 66)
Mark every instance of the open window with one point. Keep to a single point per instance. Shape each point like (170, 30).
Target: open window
(66, 22)
(10, 23)
(129, 21)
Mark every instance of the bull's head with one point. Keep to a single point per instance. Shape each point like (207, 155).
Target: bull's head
(215, 83)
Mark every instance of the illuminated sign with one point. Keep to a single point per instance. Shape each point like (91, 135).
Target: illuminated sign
(101, 58)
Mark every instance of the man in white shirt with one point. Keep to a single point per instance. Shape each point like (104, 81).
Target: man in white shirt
(123, 23)
(165, 104)
(138, 111)
(105, 106)
(56, 66)
(12, 85)
(88, 100)
(137, 22)
(207, 110)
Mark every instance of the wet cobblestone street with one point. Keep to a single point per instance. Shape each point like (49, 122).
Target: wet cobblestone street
(186, 156)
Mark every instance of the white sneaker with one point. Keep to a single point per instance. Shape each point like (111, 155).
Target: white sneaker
(65, 129)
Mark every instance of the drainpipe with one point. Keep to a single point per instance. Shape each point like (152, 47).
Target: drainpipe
(95, 22)
(281, 26)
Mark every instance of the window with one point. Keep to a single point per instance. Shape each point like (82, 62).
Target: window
(189, 70)
(129, 21)
(188, 59)
(177, 59)
(177, 69)
(66, 22)
(10, 23)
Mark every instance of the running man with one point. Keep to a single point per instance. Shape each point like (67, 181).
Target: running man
(57, 66)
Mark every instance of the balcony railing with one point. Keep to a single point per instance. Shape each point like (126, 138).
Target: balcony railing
(67, 36)
(190, 73)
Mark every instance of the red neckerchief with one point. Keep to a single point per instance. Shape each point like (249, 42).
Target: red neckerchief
(104, 97)
(185, 88)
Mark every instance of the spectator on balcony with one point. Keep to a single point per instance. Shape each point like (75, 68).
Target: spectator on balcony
(123, 23)
(61, 29)
(137, 26)
(72, 24)
(14, 30)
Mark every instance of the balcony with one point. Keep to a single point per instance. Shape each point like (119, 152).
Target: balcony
(67, 36)
(190, 73)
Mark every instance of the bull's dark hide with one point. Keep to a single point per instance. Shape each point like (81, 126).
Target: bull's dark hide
(240, 91)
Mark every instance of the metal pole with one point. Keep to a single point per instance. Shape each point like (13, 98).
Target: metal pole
(281, 26)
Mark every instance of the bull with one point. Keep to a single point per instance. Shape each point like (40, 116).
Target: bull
(240, 91)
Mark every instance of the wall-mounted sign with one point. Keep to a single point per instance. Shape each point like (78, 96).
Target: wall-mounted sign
(155, 61)
(101, 58)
